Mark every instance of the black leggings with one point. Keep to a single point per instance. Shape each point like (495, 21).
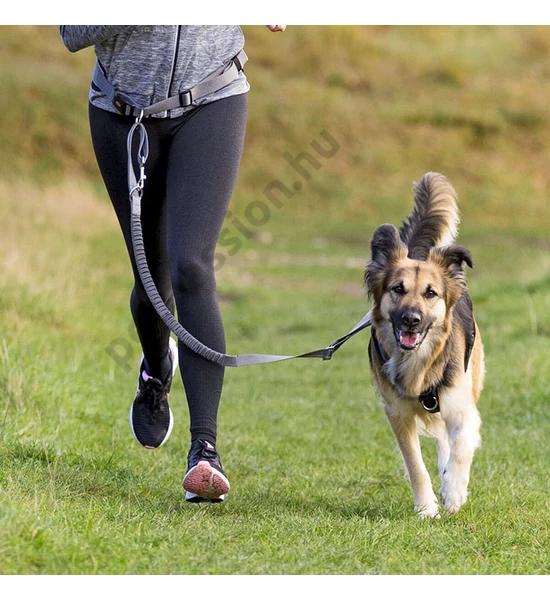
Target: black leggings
(191, 171)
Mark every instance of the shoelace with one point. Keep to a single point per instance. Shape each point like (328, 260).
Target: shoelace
(202, 450)
(208, 453)
(153, 393)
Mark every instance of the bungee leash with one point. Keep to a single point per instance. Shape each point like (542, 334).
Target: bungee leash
(135, 187)
(215, 81)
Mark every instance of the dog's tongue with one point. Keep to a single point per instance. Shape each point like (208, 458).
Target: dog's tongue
(409, 338)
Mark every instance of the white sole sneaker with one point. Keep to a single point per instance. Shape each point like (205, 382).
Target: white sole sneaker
(204, 483)
(173, 349)
(190, 497)
(205, 480)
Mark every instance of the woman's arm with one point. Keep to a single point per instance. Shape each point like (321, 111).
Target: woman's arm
(77, 37)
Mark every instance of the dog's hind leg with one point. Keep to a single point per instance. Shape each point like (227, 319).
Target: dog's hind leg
(463, 428)
(406, 433)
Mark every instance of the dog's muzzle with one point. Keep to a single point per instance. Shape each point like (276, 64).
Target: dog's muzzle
(409, 329)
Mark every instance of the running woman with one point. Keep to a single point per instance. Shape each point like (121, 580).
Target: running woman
(194, 157)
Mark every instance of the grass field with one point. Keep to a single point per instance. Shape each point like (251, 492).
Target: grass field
(317, 483)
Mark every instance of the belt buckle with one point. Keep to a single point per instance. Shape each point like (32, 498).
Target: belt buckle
(120, 104)
(186, 99)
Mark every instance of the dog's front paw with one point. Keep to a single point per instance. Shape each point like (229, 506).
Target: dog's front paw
(454, 491)
(429, 510)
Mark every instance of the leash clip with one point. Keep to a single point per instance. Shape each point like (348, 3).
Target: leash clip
(142, 177)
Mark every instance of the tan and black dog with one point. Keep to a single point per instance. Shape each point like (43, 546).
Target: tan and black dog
(425, 351)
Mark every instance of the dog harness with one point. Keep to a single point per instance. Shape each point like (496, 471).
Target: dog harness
(429, 398)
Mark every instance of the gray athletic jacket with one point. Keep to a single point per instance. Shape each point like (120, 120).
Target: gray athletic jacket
(149, 63)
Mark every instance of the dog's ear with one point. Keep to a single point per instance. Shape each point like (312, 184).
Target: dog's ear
(386, 249)
(452, 260)
(385, 242)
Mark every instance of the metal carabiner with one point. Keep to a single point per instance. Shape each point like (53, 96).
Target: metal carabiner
(135, 184)
(139, 117)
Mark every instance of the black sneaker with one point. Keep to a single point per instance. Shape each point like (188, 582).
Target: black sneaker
(205, 480)
(151, 419)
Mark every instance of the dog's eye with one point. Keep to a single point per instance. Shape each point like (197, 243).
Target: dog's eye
(430, 293)
(398, 289)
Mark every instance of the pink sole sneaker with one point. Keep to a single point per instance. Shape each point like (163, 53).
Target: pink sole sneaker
(204, 483)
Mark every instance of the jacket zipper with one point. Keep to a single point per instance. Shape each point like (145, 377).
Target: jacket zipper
(174, 60)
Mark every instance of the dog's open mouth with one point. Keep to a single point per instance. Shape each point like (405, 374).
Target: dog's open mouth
(409, 340)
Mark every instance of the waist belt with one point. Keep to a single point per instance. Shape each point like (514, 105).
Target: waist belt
(214, 82)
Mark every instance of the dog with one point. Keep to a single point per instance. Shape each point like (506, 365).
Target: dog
(425, 351)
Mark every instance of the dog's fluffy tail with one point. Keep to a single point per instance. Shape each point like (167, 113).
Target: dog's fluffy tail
(435, 218)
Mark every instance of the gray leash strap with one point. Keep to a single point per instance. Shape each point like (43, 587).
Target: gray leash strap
(135, 186)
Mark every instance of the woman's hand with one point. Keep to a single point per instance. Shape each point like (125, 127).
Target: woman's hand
(276, 27)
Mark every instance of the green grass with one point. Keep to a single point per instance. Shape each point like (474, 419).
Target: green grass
(317, 482)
